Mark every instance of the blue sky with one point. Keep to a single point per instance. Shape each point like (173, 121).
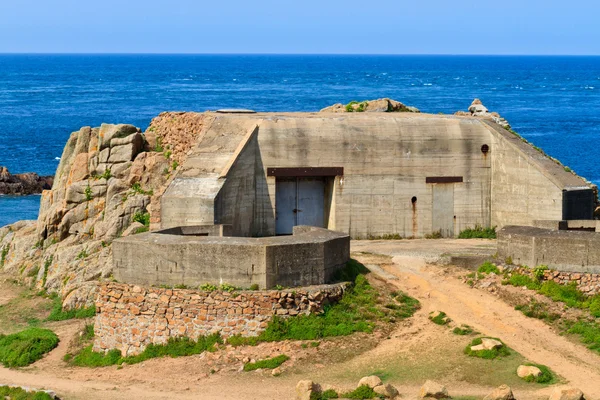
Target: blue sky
(308, 26)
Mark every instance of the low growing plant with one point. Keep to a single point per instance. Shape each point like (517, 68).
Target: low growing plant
(487, 267)
(26, 347)
(269, 363)
(361, 392)
(463, 330)
(440, 319)
(58, 314)
(478, 232)
(175, 347)
(17, 393)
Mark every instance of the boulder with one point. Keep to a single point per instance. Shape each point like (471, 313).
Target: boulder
(528, 370)
(132, 229)
(388, 391)
(371, 381)
(378, 105)
(500, 393)
(566, 393)
(433, 390)
(306, 390)
(487, 344)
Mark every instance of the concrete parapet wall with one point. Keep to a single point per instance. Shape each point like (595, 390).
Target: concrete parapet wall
(309, 257)
(131, 317)
(568, 251)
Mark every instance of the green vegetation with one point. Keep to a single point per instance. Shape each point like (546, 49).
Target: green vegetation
(487, 354)
(142, 217)
(159, 147)
(568, 294)
(361, 392)
(254, 286)
(463, 330)
(546, 376)
(440, 319)
(508, 260)
(141, 229)
(358, 311)
(17, 393)
(487, 268)
(393, 236)
(434, 235)
(82, 254)
(567, 169)
(88, 193)
(535, 309)
(47, 265)
(269, 363)
(175, 347)
(26, 347)
(168, 154)
(326, 395)
(360, 108)
(137, 188)
(3, 255)
(58, 314)
(478, 232)
(174, 165)
(589, 333)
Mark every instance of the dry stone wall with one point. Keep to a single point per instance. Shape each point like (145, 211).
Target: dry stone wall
(588, 283)
(131, 317)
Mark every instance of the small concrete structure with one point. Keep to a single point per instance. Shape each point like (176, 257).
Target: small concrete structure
(573, 250)
(193, 256)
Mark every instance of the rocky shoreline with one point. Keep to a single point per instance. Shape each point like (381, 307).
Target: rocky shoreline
(23, 184)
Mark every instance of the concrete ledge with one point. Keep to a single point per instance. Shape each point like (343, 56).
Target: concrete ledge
(572, 251)
(309, 257)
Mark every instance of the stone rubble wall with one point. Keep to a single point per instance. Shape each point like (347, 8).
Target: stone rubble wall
(130, 317)
(588, 283)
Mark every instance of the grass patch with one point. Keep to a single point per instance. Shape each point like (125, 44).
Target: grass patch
(547, 376)
(487, 268)
(434, 235)
(175, 347)
(487, 354)
(520, 280)
(535, 309)
(478, 232)
(269, 363)
(26, 347)
(326, 395)
(463, 330)
(440, 318)
(361, 392)
(16, 393)
(58, 314)
(589, 333)
(142, 217)
(359, 310)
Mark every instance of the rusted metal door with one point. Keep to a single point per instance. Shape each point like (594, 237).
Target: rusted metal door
(443, 209)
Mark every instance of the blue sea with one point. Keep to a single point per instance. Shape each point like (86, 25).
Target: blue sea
(554, 102)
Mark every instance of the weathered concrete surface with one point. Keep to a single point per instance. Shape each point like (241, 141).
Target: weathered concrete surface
(576, 251)
(309, 257)
(130, 317)
(386, 160)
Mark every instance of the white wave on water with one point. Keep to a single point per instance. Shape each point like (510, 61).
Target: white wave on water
(428, 84)
(57, 158)
(589, 87)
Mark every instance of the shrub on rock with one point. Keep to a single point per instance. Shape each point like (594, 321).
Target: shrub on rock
(487, 348)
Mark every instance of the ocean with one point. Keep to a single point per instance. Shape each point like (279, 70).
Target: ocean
(554, 102)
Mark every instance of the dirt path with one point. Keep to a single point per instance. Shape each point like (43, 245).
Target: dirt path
(417, 350)
(439, 289)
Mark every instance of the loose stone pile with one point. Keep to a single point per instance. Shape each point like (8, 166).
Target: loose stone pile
(130, 317)
(588, 283)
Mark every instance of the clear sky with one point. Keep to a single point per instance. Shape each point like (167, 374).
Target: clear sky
(307, 26)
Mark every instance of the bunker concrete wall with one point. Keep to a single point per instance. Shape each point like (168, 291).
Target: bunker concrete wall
(164, 259)
(386, 161)
(571, 251)
(130, 317)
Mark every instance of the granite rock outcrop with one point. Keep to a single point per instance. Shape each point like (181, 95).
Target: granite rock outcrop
(108, 184)
(379, 105)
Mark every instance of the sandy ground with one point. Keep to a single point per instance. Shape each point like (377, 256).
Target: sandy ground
(412, 353)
